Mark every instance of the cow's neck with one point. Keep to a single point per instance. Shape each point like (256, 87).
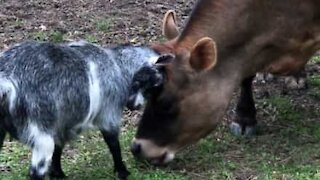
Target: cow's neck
(217, 19)
(220, 21)
(226, 77)
(219, 86)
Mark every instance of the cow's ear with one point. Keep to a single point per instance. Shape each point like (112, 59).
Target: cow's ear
(169, 26)
(203, 55)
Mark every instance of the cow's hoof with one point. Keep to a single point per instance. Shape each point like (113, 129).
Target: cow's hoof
(296, 83)
(238, 130)
(263, 78)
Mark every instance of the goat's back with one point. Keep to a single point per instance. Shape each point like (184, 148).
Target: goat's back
(48, 81)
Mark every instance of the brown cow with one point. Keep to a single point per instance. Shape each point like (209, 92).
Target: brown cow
(224, 44)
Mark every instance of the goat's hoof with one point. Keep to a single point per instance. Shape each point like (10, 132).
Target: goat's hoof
(57, 174)
(123, 175)
(239, 130)
(36, 177)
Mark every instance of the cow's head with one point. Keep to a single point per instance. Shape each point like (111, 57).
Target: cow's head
(179, 106)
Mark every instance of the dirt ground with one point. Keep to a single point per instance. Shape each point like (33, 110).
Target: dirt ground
(111, 22)
(130, 20)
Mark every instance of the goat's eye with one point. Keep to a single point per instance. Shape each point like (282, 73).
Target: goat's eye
(152, 91)
(135, 86)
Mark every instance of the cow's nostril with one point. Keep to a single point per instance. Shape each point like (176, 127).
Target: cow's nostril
(135, 148)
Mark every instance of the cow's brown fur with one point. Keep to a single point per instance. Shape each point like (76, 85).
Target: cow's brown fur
(251, 36)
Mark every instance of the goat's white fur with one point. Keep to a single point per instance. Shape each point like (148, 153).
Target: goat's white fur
(7, 87)
(139, 100)
(78, 43)
(94, 94)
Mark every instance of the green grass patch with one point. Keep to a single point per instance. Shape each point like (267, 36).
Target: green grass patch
(288, 148)
(314, 80)
(91, 38)
(56, 37)
(316, 132)
(52, 36)
(297, 172)
(40, 36)
(86, 158)
(285, 109)
(219, 156)
(315, 59)
(293, 116)
(19, 23)
(315, 93)
(103, 25)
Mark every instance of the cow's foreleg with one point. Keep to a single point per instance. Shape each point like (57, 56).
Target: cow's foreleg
(245, 121)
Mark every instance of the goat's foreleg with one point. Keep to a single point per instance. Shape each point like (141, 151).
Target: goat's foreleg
(42, 150)
(112, 140)
(55, 168)
(2, 136)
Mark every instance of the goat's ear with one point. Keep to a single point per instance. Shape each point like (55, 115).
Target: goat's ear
(165, 59)
(203, 55)
(169, 26)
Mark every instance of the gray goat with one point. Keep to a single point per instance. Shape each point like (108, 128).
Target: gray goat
(49, 93)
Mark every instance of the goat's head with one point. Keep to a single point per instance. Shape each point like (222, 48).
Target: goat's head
(147, 81)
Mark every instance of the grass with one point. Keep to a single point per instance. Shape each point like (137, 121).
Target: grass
(284, 108)
(40, 36)
(18, 23)
(288, 148)
(52, 36)
(315, 59)
(314, 81)
(81, 161)
(103, 25)
(91, 38)
(56, 36)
